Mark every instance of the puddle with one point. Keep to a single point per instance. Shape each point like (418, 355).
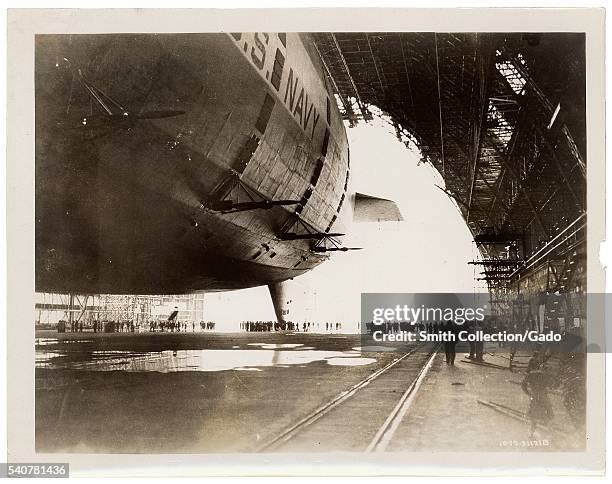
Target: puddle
(46, 341)
(199, 360)
(56, 341)
(274, 346)
(46, 356)
(350, 361)
(374, 349)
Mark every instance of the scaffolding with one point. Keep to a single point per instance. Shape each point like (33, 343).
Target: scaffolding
(502, 119)
(51, 308)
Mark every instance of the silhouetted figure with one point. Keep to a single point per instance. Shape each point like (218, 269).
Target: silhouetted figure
(535, 384)
(479, 343)
(470, 329)
(450, 343)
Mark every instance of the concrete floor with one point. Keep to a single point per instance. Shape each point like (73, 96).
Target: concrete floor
(447, 417)
(212, 392)
(129, 393)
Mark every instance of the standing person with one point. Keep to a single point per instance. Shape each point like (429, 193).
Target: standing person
(502, 330)
(535, 385)
(470, 329)
(450, 343)
(479, 343)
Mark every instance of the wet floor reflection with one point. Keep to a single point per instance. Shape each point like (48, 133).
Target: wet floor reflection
(46, 341)
(270, 355)
(54, 341)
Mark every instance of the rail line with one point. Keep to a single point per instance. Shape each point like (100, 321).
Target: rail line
(385, 432)
(384, 435)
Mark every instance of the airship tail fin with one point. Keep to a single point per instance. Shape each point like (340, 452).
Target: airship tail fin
(373, 209)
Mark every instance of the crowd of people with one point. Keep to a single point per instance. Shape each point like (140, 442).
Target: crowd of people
(128, 326)
(305, 327)
(174, 326)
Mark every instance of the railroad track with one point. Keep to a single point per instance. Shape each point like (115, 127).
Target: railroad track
(364, 417)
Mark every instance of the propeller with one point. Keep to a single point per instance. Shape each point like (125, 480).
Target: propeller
(114, 114)
(124, 120)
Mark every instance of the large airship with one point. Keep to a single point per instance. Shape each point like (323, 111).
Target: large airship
(174, 163)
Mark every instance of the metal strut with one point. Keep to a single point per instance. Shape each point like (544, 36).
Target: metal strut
(321, 246)
(256, 201)
(291, 232)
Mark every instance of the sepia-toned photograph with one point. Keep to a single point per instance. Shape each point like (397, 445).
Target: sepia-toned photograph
(369, 242)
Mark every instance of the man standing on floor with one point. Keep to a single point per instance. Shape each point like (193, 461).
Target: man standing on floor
(450, 342)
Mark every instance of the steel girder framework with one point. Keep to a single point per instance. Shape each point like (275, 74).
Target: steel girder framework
(500, 116)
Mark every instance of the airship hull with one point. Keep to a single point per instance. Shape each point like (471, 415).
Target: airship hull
(183, 162)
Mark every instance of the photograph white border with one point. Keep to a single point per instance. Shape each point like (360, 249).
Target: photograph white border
(24, 24)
